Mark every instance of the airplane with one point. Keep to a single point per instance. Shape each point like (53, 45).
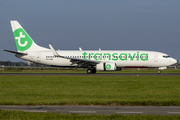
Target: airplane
(100, 60)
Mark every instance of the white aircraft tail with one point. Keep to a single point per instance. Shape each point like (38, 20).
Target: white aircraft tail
(23, 41)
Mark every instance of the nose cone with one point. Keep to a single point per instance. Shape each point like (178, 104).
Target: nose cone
(174, 61)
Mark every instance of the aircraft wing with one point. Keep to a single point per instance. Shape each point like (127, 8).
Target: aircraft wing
(80, 62)
(14, 52)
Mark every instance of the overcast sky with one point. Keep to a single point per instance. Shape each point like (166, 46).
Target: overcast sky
(93, 24)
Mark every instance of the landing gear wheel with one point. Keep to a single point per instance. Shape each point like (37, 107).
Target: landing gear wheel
(159, 72)
(93, 71)
(89, 71)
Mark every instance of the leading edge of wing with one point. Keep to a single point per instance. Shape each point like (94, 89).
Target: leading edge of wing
(73, 59)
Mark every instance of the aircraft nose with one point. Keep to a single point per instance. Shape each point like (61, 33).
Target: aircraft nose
(174, 61)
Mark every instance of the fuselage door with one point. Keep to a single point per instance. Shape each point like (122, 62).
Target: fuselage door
(155, 57)
(38, 57)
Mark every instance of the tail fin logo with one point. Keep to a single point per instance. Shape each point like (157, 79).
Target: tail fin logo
(22, 39)
(19, 40)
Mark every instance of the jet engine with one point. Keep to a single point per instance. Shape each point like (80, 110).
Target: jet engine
(107, 66)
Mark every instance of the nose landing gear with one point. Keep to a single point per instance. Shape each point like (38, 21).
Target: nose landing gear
(159, 72)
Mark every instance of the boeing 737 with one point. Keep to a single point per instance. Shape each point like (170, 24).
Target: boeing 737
(100, 60)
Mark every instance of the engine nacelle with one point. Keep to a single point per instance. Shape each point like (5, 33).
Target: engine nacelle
(106, 66)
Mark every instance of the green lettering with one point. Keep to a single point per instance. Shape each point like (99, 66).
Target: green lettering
(132, 57)
(90, 55)
(144, 54)
(124, 56)
(138, 56)
(99, 57)
(114, 57)
(84, 55)
(109, 56)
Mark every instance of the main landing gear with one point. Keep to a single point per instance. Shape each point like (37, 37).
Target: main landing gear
(91, 71)
(159, 72)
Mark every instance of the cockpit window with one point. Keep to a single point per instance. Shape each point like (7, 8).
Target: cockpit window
(166, 56)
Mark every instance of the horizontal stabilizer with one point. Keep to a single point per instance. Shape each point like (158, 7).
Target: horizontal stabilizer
(14, 52)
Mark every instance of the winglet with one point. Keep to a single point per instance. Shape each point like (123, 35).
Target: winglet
(53, 50)
(80, 49)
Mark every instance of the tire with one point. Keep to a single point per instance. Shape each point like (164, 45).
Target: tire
(159, 72)
(93, 71)
(89, 71)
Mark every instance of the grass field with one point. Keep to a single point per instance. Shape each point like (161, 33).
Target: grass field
(90, 90)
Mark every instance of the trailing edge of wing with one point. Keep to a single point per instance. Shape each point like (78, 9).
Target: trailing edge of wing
(14, 52)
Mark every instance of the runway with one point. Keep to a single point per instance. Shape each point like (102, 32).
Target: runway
(84, 74)
(97, 110)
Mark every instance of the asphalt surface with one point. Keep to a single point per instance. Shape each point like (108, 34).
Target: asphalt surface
(103, 110)
(84, 74)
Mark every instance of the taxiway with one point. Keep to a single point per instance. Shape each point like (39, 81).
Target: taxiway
(103, 110)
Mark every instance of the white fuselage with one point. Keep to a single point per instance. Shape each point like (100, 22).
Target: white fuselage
(131, 59)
